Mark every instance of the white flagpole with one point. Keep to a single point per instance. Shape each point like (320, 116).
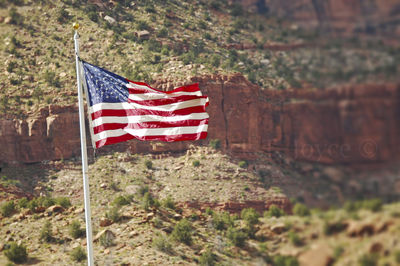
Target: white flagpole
(86, 191)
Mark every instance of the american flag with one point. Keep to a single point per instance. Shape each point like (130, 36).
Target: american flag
(121, 110)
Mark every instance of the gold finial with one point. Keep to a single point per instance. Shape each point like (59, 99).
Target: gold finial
(76, 26)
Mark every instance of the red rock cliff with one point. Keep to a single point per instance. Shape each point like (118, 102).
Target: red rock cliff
(342, 16)
(356, 124)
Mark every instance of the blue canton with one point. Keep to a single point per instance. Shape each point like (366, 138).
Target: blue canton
(104, 86)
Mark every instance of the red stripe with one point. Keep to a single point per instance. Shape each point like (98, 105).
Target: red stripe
(187, 88)
(155, 124)
(168, 138)
(170, 100)
(138, 112)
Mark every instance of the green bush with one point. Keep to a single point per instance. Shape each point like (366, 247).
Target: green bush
(374, 205)
(183, 232)
(250, 216)
(106, 240)
(162, 243)
(331, 228)
(295, 239)
(274, 211)
(208, 258)
(78, 254)
(63, 16)
(300, 209)
(243, 164)
(63, 201)
(222, 221)
(113, 214)
(169, 203)
(148, 201)
(23, 203)
(285, 261)
(148, 164)
(46, 234)
(7, 208)
(143, 190)
(75, 229)
(11, 66)
(368, 260)
(215, 144)
(196, 163)
(16, 18)
(237, 237)
(51, 78)
(16, 253)
(397, 256)
(121, 200)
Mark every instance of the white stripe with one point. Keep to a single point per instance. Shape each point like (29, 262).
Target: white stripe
(173, 106)
(167, 107)
(157, 96)
(147, 118)
(136, 86)
(151, 132)
(110, 106)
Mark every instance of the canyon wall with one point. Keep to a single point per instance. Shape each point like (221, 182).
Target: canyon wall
(340, 16)
(353, 124)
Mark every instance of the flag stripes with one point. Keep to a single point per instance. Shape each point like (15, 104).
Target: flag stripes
(121, 110)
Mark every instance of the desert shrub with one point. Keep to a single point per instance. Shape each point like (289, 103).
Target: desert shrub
(63, 15)
(147, 201)
(236, 236)
(295, 239)
(163, 32)
(7, 208)
(300, 209)
(51, 78)
(368, 260)
(397, 256)
(274, 211)
(209, 211)
(215, 61)
(148, 164)
(196, 163)
(11, 66)
(215, 144)
(183, 232)
(23, 203)
(208, 258)
(143, 190)
(113, 214)
(162, 243)
(78, 254)
(142, 25)
(16, 253)
(243, 164)
(285, 261)
(16, 18)
(114, 186)
(374, 205)
(222, 221)
(106, 240)
(330, 228)
(46, 234)
(169, 203)
(337, 252)
(75, 229)
(63, 201)
(250, 216)
(121, 200)
(92, 15)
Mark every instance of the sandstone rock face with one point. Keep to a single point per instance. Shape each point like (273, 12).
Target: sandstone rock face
(352, 124)
(340, 16)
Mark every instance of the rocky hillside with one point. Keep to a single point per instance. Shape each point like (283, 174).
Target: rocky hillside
(194, 208)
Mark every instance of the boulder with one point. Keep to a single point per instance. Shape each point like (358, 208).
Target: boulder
(105, 222)
(278, 228)
(107, 233)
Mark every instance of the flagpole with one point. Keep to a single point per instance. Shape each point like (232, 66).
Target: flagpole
(86, 192)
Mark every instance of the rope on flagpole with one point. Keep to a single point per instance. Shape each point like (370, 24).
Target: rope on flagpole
(86, 191)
